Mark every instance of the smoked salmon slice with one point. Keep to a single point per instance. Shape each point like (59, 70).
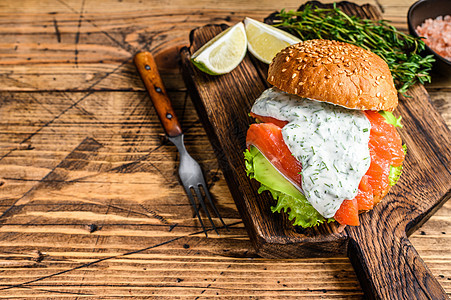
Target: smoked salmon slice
(385, 147)
(348, 213)
(268, 139)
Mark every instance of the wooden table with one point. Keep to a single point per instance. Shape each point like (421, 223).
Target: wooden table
(90, 202)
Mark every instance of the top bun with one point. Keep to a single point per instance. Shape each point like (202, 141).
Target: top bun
(334, 72)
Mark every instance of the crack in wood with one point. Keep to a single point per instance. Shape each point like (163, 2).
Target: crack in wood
(55, 291)
(90, 92)
(26, 283)
(57, 32)
(73, 161)
(40, 104)
(96, 26)
(84, 226)
(46, 124)
(77, 35)
(157, 216)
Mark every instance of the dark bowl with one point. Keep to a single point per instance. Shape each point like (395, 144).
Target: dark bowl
(418, 13)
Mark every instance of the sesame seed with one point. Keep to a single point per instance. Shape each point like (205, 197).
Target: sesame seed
(328, 76)
(301, 83)
(294, 75)
(287, 58)
(378, 94)
(340, 84)
(295, 90)
(283, 70)
(272, 78)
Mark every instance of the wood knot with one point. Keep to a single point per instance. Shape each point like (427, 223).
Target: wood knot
(25, 147)
(37, 256)
(92, 228)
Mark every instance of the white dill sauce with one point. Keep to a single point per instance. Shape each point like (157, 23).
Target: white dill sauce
(330, 141)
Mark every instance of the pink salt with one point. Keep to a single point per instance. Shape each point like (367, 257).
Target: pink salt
(438, 35)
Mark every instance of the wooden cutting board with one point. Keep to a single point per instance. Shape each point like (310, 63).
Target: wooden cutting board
(386, 263)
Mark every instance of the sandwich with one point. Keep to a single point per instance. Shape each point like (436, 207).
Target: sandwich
(325, 144)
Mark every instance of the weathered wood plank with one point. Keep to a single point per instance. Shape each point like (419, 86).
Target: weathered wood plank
(74, 235)
(59, 48)
(426, 136)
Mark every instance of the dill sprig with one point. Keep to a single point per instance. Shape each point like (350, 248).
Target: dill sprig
(401, 51)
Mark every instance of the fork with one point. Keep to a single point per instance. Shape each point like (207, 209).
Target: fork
(190, 172)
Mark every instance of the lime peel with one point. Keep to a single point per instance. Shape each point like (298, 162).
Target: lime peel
(265, 41)
(223, 53)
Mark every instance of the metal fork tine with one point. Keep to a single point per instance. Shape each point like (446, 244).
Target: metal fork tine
(191, 176)
(207, 193)
(202, 203)
(193, 203)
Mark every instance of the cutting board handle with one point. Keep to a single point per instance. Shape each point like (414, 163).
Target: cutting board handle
(389, 267)
(148, 71)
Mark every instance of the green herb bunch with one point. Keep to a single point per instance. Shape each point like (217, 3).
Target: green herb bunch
(401, 51)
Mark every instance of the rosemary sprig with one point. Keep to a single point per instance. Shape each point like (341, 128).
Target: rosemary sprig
(401, 51)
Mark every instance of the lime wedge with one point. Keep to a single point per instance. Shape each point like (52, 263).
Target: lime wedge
(223, 53)
(265, 41)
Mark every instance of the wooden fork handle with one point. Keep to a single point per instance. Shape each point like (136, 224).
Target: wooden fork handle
(148, 71)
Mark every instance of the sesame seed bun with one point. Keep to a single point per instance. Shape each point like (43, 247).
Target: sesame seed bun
(335, 72)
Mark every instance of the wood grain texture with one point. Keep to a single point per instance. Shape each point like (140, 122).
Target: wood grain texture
(383, 231)
(101, 212)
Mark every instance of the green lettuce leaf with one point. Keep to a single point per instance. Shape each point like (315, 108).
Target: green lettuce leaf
(395, 172)
(391, 119)
(289, 199)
